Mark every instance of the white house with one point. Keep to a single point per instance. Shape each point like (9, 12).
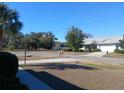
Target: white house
(104, 44)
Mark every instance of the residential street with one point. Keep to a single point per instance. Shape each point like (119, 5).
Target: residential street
(101, 59)
(70, 56)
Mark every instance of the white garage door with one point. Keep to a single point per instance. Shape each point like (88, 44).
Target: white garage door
(107, 48)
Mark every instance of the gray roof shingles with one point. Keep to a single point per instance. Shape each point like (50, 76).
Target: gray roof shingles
(103, 40)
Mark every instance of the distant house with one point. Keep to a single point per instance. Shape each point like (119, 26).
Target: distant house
(104, 44)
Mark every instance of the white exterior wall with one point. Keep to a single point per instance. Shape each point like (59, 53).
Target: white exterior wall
(109, 48)
(82, 48)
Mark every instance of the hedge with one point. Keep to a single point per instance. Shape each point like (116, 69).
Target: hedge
(119, 51)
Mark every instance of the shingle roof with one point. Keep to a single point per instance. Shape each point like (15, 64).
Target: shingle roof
(103, 40)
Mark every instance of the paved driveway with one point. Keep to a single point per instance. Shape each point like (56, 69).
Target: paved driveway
(96, 54)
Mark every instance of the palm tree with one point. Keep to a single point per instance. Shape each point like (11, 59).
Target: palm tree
(9, 21)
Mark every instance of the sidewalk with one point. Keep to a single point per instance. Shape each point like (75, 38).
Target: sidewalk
(30, 81)
(48, 60)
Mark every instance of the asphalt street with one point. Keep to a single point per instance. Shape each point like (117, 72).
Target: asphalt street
(101, 59)
(78, 57)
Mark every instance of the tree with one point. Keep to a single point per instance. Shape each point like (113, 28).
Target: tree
(122, 43)
(75, 37)
(9, 21)
(36, 40)
(93, 45)
(13, 40)
(50, 40)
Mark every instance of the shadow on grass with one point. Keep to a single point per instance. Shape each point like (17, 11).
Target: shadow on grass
(53, 81)
(62, 66)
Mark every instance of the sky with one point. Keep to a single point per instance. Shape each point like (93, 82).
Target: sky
(99, 19)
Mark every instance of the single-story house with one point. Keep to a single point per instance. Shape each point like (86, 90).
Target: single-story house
(104, 44)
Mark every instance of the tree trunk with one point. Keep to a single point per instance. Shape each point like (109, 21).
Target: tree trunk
(1, 40)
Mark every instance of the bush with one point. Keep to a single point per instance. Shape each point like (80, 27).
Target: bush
(8, 64)
(80, 50)
(96, 50)
(119, 51)
(10, 47)
(67, 49)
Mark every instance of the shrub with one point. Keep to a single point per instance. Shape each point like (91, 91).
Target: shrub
(10, 47)
(119, 51)
(67, 49)
(80, 50)
(96, 50)
(8, 64)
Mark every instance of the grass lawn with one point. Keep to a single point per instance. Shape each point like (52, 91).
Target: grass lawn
(79, 75)
(116, 55)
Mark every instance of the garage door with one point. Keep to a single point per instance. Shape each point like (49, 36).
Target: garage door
(107, 48)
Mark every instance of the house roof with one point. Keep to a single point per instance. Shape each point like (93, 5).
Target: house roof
(103, 40)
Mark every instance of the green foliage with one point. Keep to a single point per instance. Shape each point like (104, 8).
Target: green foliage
(11, 47)
(31, 41)
(12, 41)
(40, 40)
(9, 21)
(122, 43)
(96, 50)
(75, 38)
(119, 51)
(68, 49)
(8, 64)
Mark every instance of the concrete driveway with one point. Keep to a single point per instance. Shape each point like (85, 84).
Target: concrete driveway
(96, 54)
